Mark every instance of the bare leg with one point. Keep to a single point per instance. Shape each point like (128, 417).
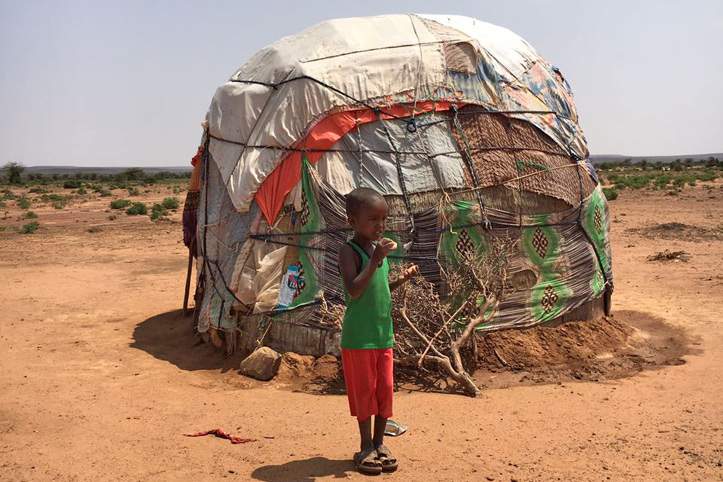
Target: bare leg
(365, 431)
(380, 425)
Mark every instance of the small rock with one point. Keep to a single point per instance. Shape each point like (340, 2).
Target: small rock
(262, 364)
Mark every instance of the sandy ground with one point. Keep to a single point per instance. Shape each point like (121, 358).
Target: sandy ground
(99, 382)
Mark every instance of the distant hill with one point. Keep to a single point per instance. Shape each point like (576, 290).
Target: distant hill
(99, 170)
(596, 159)
(599, 159)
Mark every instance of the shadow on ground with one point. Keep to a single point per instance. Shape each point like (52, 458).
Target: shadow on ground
(169, 337)
(304, 470)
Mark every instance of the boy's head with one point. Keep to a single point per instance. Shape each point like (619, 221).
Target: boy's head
(366, 211)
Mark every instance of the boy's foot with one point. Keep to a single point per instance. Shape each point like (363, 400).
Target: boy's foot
(388, 461)
(368, 462)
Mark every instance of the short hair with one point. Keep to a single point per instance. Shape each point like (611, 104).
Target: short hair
(360, 197)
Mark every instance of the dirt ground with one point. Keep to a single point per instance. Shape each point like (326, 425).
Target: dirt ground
(100, 378)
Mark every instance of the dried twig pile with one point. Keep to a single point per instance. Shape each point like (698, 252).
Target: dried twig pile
(434, 332)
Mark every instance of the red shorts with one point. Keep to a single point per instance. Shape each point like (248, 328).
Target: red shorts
(369, 378)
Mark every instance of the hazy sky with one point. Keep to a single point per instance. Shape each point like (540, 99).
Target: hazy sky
(124, 83)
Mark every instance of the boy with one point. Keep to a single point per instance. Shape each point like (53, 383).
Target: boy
(366, 335)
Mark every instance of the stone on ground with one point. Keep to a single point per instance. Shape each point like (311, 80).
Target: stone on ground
(262, 364)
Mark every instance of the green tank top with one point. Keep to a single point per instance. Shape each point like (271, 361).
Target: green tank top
(368, 318)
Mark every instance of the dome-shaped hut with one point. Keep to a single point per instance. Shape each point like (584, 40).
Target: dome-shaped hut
(460, 124)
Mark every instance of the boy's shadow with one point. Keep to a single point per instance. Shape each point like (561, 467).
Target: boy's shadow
(304, 470)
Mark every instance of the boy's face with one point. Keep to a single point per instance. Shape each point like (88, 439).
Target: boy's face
(370, 220)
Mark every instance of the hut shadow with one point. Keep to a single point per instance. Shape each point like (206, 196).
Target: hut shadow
(169, 337)
(304, 470)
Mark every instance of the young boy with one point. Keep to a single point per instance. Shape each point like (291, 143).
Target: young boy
(366, 335)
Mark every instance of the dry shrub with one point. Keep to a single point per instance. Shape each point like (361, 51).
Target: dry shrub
(435, 333)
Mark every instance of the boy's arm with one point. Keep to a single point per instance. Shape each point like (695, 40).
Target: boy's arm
(354, 283)
(406, 275)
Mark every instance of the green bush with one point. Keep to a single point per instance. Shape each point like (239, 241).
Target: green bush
(132, 191)
(120, 203)
(23, 203)
(662, 181)
(706, 176)
(81, 191)
(137, 208)
(37, 190)
(158, 212)
(30, 215)
(679, 182)
(95, 229)
(172, 203)
(59, 203)
(8, 195)
(610, 194)
(29, 228)
(105, 193)
(72, 184)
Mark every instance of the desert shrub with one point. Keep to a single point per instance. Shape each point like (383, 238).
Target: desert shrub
(30, 215)
(610, 193)
(105, 193)
(23, 203)
(706, 176)
(46, 198)
(8, 194)
(112, 217)
(95, 229)
(2, 228)
(171, 203)
(133, 191)
(117, 185)
(662, 181)
(158, 212)
(2, 203)
(137, 208)
(120, 203)
(680, 181)
(81, 191)
(59, 203)
(37, 190)
(72, 184)
(29, 228)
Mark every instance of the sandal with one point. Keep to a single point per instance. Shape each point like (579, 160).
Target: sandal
(388, 461)
(367, 462)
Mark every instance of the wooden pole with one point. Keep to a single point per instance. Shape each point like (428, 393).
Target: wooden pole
(188, 278)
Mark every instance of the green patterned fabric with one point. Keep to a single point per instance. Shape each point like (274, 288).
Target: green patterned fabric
(542, 245)
(594, 222)
(310, 221)
(463, 236)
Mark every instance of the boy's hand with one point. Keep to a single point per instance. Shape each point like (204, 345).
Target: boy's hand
(384, 247)
(409, 273)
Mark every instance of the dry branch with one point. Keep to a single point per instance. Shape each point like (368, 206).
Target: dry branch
(434, 332)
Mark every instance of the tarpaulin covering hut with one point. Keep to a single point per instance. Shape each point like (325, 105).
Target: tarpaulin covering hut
(460, 124)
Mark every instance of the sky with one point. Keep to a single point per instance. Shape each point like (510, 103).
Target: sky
(127, 83)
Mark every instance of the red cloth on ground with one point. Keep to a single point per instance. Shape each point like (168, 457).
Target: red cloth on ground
(369, 378)
(221, 434)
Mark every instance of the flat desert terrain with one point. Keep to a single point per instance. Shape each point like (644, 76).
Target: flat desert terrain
(100, 376)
